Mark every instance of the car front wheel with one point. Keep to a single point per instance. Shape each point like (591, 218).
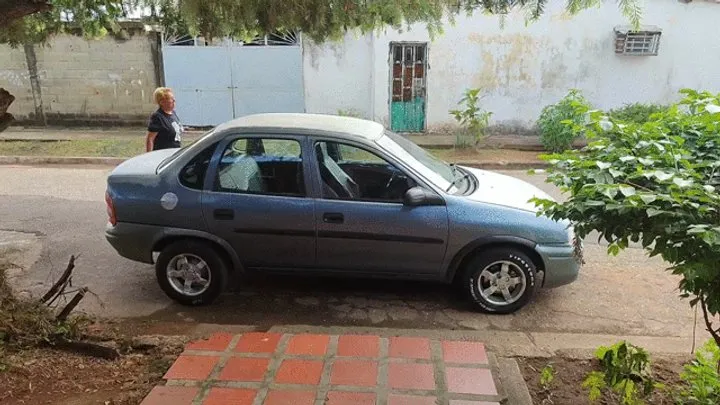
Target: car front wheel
(500, 280)
(191, 272)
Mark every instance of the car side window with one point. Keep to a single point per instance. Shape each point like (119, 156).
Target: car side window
(261, 166)
(349, 172)
(193, 174)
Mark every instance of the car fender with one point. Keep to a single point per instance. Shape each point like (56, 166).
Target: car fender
(481, 242)
(191, 233)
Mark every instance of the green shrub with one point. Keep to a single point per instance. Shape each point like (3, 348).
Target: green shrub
(556, 134)
(471, 117)
(625, 369)
(638, 113)
(701, 378)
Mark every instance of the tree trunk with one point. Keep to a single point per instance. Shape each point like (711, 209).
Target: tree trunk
(5, 100)
(31, 60)
(11, 10)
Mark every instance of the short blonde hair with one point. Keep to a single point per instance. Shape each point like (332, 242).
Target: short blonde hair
(161, 93)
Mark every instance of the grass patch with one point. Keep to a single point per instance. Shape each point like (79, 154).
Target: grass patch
(125, 148)
(76, 148)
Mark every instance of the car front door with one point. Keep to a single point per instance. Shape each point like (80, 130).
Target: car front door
(258, 201)
(362, 223)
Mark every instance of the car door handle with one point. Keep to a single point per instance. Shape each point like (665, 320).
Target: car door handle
(223, 214)
(333, 218)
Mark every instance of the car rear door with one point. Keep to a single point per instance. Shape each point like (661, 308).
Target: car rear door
(258, 201)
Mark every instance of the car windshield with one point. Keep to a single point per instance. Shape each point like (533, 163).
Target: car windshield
(435, 170)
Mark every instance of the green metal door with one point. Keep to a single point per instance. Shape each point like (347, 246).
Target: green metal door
(408, 70)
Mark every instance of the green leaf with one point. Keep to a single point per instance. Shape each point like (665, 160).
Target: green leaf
(682, 182)
(613, 249)
(651, 212)
(627, 191)
(647, 198)
(662, 176)
(610, 192)
(603, 165)
(646, 162)
(615, 172)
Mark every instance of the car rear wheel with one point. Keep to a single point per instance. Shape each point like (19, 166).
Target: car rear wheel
(191, 272)
(500, 280)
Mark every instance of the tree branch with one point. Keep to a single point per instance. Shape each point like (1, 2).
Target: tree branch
(11, 10)
(714, 333)
(61, 283)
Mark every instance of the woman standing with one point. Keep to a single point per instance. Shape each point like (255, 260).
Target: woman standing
(164, 129)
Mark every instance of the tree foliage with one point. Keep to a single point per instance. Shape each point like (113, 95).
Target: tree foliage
(318, 19)
(654, 183)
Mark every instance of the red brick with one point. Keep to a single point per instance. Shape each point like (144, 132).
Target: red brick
(290, 398)
(410, 347)
(217, 343)
(314, 345)
(462, 402)
(191, 367)
(470, 381)
(230, 396)
(395, 399)
(359, 346)
(355, 373)
(244, 369)
(299, 372)
(258, 342)
(164, 395)
(411, 376)
(350, 398)
(464, 352)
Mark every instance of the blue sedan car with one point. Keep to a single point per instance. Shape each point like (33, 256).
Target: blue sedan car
(322, 194)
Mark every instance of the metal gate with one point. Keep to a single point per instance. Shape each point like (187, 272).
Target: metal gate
(213, 84)
(408, 70)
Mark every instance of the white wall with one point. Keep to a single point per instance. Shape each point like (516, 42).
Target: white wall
(339, 76)
(523, 68)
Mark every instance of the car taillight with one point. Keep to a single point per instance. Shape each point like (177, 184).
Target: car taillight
(110, 208)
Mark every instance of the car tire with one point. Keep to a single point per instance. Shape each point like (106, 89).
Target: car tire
(203, 265)
(487, 269)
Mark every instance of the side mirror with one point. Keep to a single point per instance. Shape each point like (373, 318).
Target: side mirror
(418, 196)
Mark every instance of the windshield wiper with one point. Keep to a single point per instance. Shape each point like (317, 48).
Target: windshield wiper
(454, 182)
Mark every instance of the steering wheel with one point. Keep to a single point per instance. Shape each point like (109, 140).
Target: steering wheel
(392, 178)
(389, 192)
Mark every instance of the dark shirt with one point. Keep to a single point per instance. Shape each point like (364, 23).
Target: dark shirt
(168, 128)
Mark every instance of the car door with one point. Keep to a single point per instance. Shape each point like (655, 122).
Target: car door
(258, 201)
(362, 223)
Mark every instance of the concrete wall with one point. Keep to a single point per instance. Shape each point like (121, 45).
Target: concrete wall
(339, 76)
(523, 68)
(96, 82)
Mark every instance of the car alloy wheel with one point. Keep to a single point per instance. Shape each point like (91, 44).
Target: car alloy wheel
(191, 272)
(499, 280)
(188, 274)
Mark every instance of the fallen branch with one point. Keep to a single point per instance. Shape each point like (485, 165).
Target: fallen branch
(61, 283)
(86, 348)
(72, 304)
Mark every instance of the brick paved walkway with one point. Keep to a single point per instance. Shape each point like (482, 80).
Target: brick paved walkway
(276, 369)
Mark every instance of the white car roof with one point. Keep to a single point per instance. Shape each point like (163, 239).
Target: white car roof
(342, 126)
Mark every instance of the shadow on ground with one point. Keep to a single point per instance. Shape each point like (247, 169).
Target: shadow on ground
(266, 301)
